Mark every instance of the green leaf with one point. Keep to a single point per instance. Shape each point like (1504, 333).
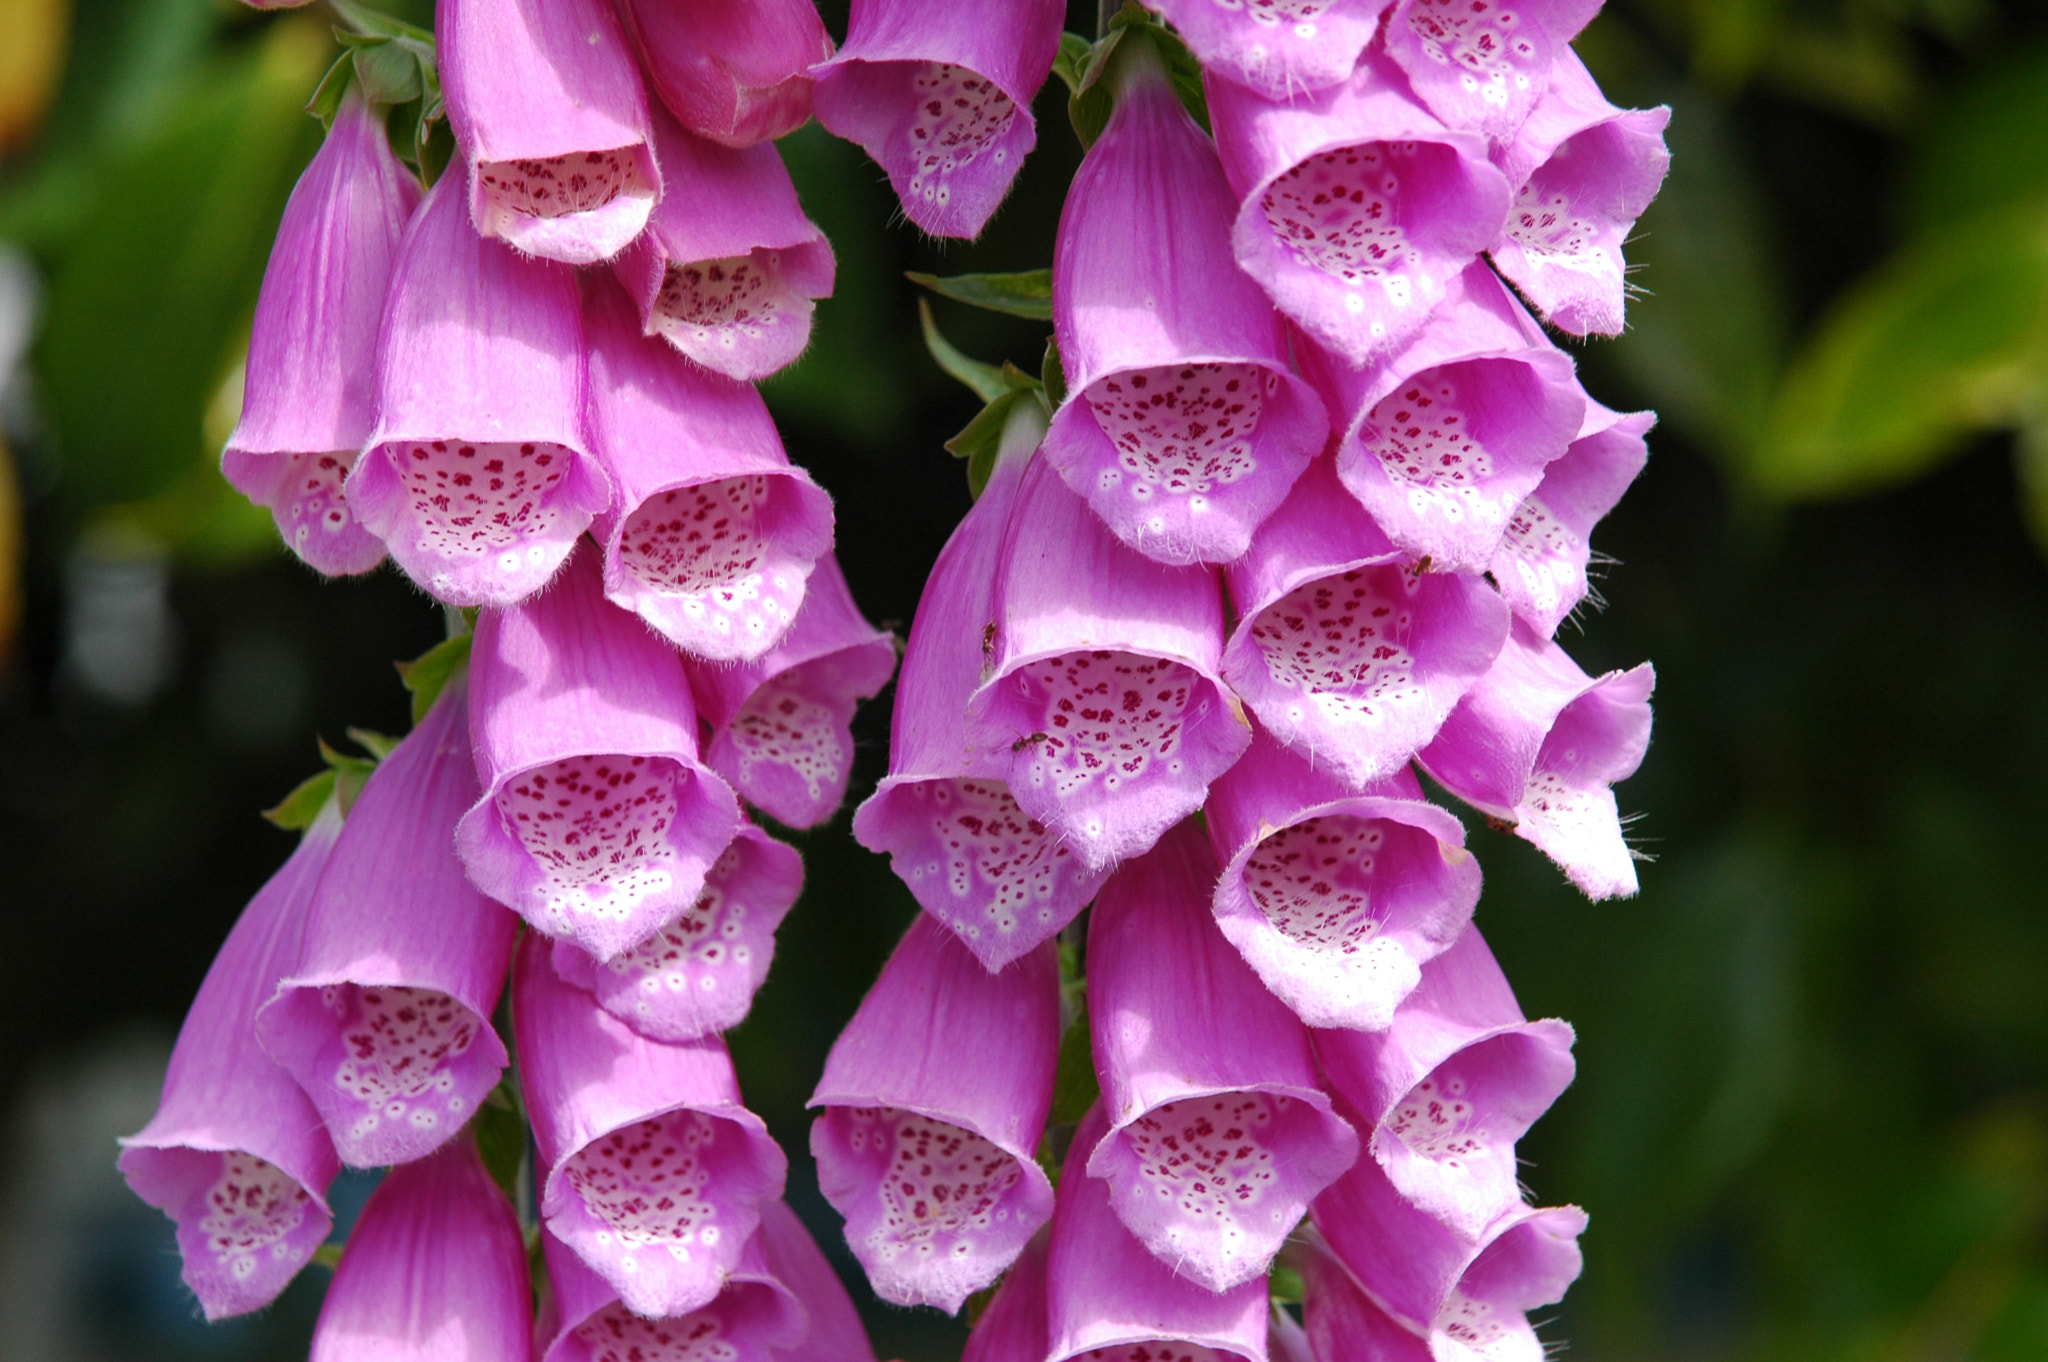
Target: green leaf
(984, 380)
(1284, 1285)
(1052, 375)
(1027, 293)
(1072, 59)
(427, 675)
(1986, 147)
(378, 745)
(297, 810)
(501, 1136)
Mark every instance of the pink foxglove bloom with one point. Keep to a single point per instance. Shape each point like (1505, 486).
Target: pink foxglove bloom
(236, 1153)
(713, 533)
(1281, 48)
(954, 833)
(651, 1170)
(1538, 743)
(735, 71)
(587, 1322)
(1012, 1325)
(1542, 560)
(836, 1333)
(1184, 426)
(1584, 172)
(1449, 1087)
(935, 1098)
(1444, 440)
(476, 476)
(1335, 897)
(597, 823)
(1104, 683)
(385, 1020)
(1345, 648)
(1483, 64)
(939, 93)
(1342, 1323)
(782, 724)
(435, 1271)
(1359, 207)
(728, 267)
(1218, 1137)
(309, 400)
(548, 111)
(699, 972)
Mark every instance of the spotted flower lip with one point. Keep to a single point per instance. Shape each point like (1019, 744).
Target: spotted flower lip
(935, 1098)
(549, 114)
(309, 400)
(1482, 64)
(1280, 48)
(1357, 207)
(735, 71)
(384, 1021)
(939, 93)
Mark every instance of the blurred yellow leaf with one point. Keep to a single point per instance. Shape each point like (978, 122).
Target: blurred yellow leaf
(33, 36)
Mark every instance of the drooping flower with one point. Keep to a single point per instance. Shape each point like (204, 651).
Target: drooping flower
(476, 476)
(935, 1098)
(713, 534)
(385, 1020)
(309, 399)
(1012, 1325)
(435, 1271)
(1483, 64)
(1217, 1135)
(735, 71)
(1335, 897)
(1341, 1323)
(1281, 48)
(754, 1316)
(1184, 426)
(236, 1153)
(547, 109)
(597, 823)
(940, 95)
(729, 264)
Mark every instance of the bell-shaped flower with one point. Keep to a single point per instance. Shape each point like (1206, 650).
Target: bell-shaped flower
(1346, 649)
(735, 71)
(1481, 65)
(435, 1271)
(1541, 564)
(236, 1153)
(596, 823)
(1538, 743)
(935, 1098)
(1184, 426)
(699, 972)
(1443, 441)
(712, 534)
(728, 266)
(1012, 1324)
(309, 400)
(1104, 685)
(1000, 878)
(1218, 1137)
(385, 1021)
(1281, 48)
(836, 1333)
(549, 115)
(1358, 206)
(650, 1169)
(782, 724)
(1448, 1088)
(753, 1317)
(1340, 1322)
(939, 93)
(476, 476)
(1335, 897)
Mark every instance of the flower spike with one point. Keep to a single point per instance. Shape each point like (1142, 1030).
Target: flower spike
(735, 71)
(1280, 48)
(1542, 560)
(1482, 64)
(754, 1316)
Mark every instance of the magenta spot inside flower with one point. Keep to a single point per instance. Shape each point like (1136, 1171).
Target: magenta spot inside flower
(1437, 1118)
(398, 1053)
(1105, 717)
(648, 1182)
(697, 538)
(943, 1187)
(470, 497)
(1210, 1158)
(958, 118)
(1276, 12)
(1157, 1350)
(616, 1334)
(1479, 1326)
(600, 821)
(313, 498)
(707, 933)
(781, 727)
(1344, 639)
(1340, 211)
(251, 1207)
(1422, 435)
(560, 185)
(994, 853)
(1543, 223)
(1182, 429)
(1315, 881)
(1486, 40)
(715, 302)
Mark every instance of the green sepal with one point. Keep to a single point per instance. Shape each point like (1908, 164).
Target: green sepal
(1026, 293)
(397, 66)
(332, 89)
(984, 380)
(1089, 107)
(1284, 1285)
(342, 781)
(982, 440)
(1072, 60)
(1052, 375)
(327, 1256)
(350, 774)
(427, 675)
(297, 810)
(388, 70)
(1093, 99)
(376, 24)
(501, 1136)
(378, 745)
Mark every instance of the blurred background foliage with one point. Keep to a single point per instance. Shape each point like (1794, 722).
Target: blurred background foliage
(1812, 1114)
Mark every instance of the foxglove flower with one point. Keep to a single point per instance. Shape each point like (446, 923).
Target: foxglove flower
(435, 1271)
(735, 71)
(782, 724)
(728, 267)
(940, 95)
(1542, 560)
(547, 109)
(1358, 206)
(1185, 426)
(1449, 1087)
(1444, 440)
(587, 1322)
(1347, 650)
(1104, 685)
(836, 1333)
(385, 1020)
(597, 823)
(1281, 48)
(476, 476)
(1217, 1136)
(954, 833)
(308, 401)
(1012, 1325)
(1538, 743)
(935, 1098)
(713, 533)
(651, 1170)
(236, 1153)
(1341, 1322)
(1483, 64)
(1335, 897)
(699, 972)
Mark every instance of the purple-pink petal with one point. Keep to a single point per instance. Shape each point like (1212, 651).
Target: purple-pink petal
(735, 71)
(836, 1333)
(1281, 48)
(1012, 1324)
(1341, 1323)
(1482, 64)
(585, 1321)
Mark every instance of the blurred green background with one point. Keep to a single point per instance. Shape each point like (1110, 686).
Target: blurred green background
(1812, 1114)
